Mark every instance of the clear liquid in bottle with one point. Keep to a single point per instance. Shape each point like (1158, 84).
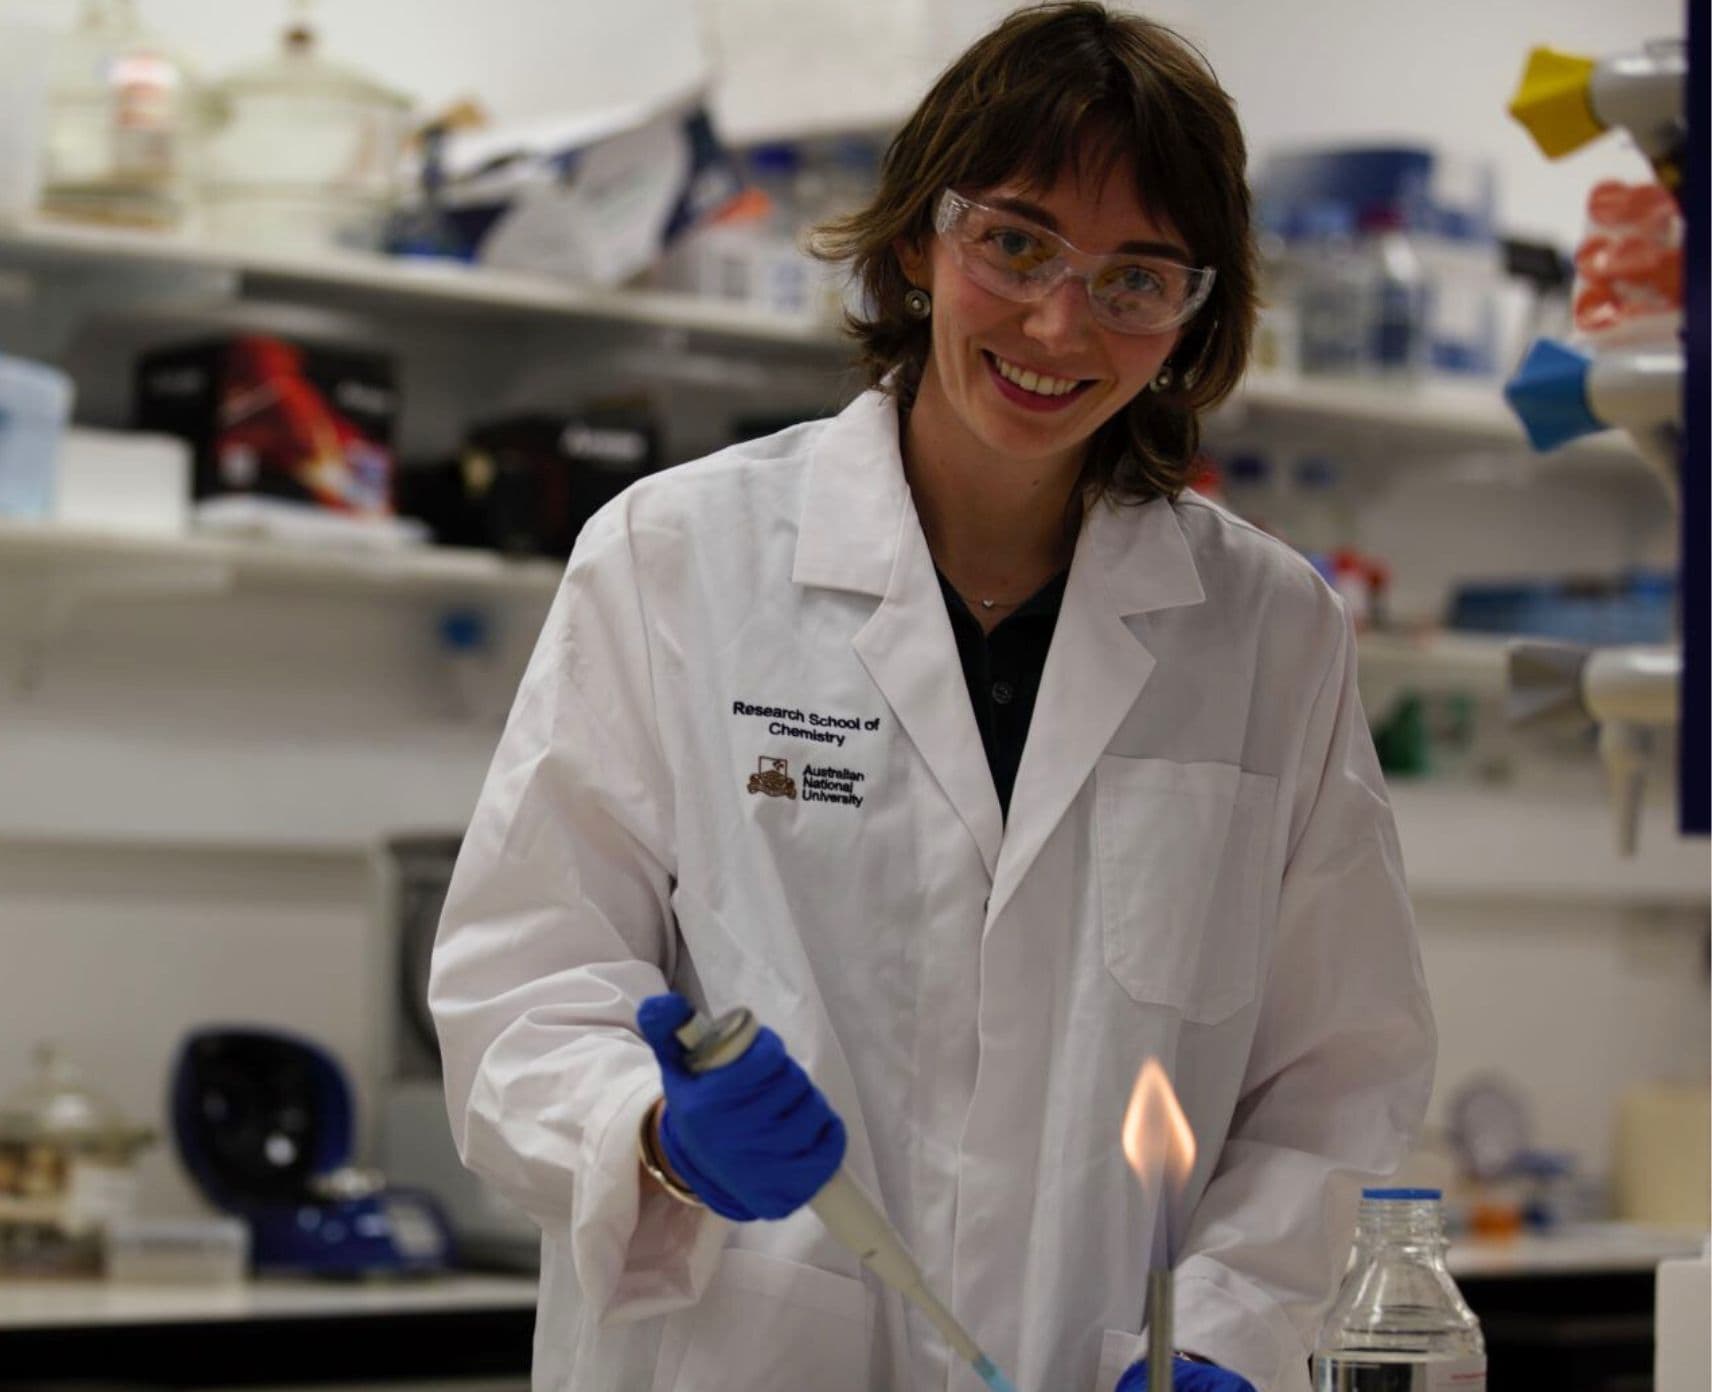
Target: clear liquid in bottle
(1399, 1324)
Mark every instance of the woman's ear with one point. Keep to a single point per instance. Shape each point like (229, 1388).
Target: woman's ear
(914, 260)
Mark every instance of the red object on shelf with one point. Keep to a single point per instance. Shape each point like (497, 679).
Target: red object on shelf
(303, 422)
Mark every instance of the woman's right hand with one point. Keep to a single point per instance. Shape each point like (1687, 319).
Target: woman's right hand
(754, 1138)
(1186, 1376)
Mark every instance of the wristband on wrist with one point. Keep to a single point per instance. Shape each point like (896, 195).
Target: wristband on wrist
(648, 1152)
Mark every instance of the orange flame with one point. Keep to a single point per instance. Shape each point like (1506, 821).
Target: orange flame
(1157, 1140)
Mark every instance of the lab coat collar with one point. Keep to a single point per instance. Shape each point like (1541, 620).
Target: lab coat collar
(859, 532)
(857, 501)
(1138, 558)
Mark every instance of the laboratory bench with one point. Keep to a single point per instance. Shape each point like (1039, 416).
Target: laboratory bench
(1573, 1312)
(471, 1332)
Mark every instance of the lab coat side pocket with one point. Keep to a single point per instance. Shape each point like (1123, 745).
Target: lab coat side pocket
(1118, 1349)
(766, 1322)
(1182, 855)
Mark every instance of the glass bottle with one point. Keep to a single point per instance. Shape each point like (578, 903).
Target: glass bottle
(303, 152)
(1400, 288)
(783, 276)
(67, 1169)
(1399, 1324)
(1334, 290)
(121, 112)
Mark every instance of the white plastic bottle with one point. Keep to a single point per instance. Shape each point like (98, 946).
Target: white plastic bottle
(1399, 1324)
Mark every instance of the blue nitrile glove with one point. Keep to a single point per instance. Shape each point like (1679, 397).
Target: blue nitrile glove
(1186, 1376)
(754, 1138)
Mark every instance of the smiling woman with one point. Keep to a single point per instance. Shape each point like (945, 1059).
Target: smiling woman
(1095, 107)
(1103, 794)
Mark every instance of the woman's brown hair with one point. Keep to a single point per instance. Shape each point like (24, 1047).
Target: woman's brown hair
(1052, 84)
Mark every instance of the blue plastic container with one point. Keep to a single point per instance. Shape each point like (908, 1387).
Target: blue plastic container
(1636, 607)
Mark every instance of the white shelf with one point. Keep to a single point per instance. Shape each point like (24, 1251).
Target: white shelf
(1429, 415)
(353, 277)
(1581, 1249)
(1468, 659)
(1549, 837)
(1469, 416)
(48, 550)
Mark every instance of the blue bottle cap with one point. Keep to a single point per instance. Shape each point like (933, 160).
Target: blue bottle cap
(1316, 471)
(1549, 395)
(1403, 1195)
(776, 158)
(463, 630)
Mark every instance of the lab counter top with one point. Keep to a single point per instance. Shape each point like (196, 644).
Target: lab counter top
(442, 1331)
(39, 1304)
(453, 1328)
(1586, 1249)
(1572, 1311)
(67, 1303)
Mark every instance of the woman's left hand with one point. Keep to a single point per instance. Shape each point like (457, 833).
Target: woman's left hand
(1186, 1376)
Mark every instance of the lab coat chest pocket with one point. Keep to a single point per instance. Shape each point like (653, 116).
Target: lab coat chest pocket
(1182, 859)
(766, 1322)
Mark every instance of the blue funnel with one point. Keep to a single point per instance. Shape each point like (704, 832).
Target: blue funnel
(1549, 394)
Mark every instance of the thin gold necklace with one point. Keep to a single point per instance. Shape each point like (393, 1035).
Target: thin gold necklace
(991, 604)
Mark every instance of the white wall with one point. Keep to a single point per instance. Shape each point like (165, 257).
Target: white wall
(1367, 71)
(521, 58)
(1572, 1001)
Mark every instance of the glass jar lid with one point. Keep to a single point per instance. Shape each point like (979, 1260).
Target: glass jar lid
(298, 69)
(57, 1107)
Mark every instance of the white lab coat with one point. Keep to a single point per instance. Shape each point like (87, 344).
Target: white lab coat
(1199, 865)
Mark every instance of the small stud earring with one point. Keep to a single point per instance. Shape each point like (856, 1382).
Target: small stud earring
(918, 304)
(1164, 380)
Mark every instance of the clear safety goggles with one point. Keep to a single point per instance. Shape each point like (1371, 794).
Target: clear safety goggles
(1020, 260)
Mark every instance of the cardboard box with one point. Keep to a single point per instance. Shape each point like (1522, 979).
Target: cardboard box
(526, 484)
(265, 416)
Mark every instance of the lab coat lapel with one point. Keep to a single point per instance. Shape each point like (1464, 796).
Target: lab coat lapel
(909, 650)
(859, 531)
(1129, 560)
